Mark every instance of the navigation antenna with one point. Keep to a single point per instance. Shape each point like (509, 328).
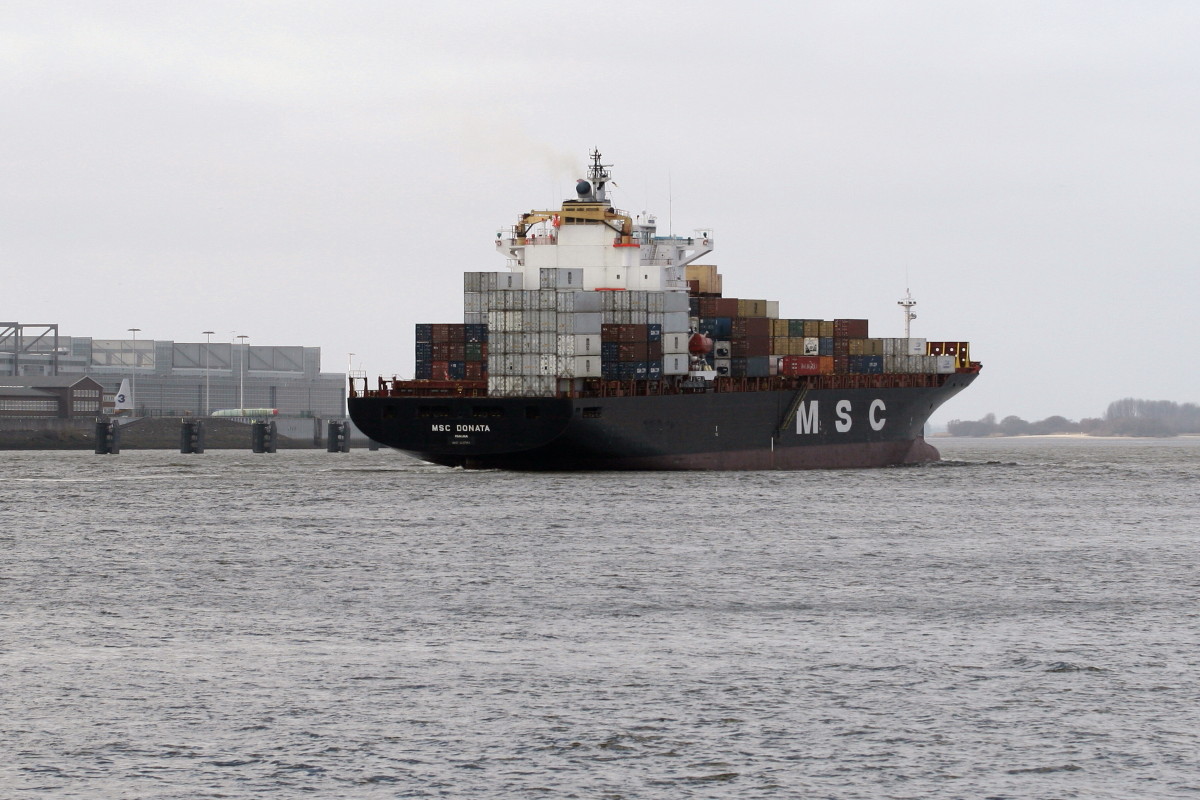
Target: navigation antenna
(907, 304)
(597, 174)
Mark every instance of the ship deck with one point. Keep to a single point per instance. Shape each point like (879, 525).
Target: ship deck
(599, 388)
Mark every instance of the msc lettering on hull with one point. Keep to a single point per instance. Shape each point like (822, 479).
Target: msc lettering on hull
(460, 429)
(808, 416)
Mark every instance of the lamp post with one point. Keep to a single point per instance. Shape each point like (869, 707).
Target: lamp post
(207, 348)
(133, 376)
(242, 381)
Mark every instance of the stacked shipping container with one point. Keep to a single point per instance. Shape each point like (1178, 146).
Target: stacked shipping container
(451, 352)
(525, 342)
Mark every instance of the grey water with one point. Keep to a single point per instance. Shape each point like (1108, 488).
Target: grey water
(1018, 621)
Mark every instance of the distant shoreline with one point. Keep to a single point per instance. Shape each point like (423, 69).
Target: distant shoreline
(944, 435)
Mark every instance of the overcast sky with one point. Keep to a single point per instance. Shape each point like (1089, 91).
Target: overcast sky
(322, 173)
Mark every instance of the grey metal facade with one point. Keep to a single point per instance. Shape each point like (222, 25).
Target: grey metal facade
(186, 378)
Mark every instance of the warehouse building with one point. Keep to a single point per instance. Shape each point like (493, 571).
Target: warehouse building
(169, 378)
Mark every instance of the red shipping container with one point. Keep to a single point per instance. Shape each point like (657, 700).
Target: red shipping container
(751, 326)
(801, 365)
(726, 307)
(850, 328)
(449, 332)
(633, 351)
(612, 332)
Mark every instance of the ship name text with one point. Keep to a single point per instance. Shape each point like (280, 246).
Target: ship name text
(808, 416)
(461, 428)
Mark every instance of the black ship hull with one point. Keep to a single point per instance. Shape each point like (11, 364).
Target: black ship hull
(747, 430)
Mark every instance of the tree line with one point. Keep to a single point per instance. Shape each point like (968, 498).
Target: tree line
(1127, 417)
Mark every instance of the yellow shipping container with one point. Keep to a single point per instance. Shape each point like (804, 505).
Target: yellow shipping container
(752, 308)
(706, 274)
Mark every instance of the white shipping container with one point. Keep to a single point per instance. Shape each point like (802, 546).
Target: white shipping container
(585, 367)
(522, 386)
(588, 322)
(916, 347)
(638, 300)
(946, 364)
(584, 301)
(561, 278)
(586, 344)
(638, 318)
(655, 318)
(675, 301)
(675, 322)
(722, 349)
(675, 342)
(475, 318)
(618, 318)
(812, 346)
(675, 364)
(723, 366)
(472, 301)
(772, 309)
(654, 302)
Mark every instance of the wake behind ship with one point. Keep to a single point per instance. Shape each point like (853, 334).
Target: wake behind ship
(604, 345)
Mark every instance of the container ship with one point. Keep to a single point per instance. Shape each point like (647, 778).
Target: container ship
(606, 345)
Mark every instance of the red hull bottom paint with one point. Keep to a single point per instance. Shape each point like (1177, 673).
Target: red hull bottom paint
(831, 456)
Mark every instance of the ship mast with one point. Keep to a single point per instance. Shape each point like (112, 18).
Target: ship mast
(598, 174)
(907, 304)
